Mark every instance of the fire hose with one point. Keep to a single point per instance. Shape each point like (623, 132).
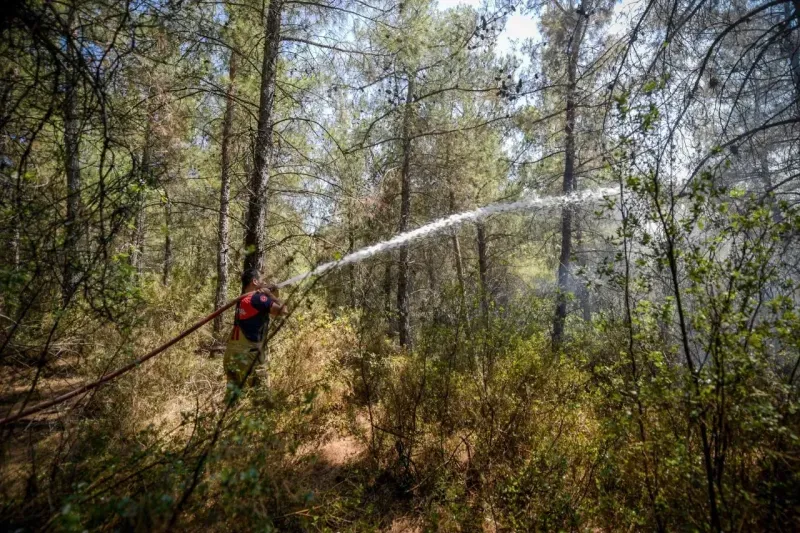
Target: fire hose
(122, 370)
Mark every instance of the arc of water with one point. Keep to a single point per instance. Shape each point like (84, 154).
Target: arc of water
(451, 221)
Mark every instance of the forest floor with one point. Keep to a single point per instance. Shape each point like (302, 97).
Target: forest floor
(40, 431)
(333, 467)
(336, 468)
(55, 379)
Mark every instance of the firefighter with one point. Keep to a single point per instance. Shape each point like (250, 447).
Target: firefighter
(246, 348)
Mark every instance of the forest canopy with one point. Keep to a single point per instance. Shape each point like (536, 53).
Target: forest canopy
(604, 335)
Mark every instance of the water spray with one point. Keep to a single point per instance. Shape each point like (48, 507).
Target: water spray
(451, 221)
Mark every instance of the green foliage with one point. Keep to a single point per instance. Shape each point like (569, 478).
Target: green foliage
(670, 405)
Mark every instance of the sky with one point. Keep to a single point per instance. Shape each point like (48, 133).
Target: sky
(518, 27)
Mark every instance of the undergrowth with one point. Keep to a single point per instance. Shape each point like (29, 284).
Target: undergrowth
(479, 427)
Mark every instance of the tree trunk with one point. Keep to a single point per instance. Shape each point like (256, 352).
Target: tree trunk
(568, 184)
(792, 47)
(387, 296)
(457, 254)
(483, 273)
(145, 181)
(459, 265)
(223, 230)
(351, 270)
(403, 318)
(583, 290)
(137, 255)
(255, 234)
(72, 166)
(431, 267)
(167, 267)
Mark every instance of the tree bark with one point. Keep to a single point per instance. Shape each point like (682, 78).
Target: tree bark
(459, 265)
(568, 184)
(457, 253)
(223, 228)
(792, 48)
(255, 233)
(351, 270)
(167, 267)
(145, 180)
(387, 296)
(137, 255)
(583, 291)
(72, 166)
(483, 273)
(431, 267)
(403, 318)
